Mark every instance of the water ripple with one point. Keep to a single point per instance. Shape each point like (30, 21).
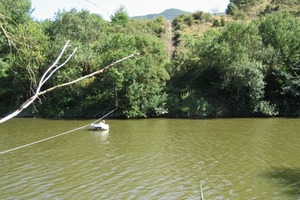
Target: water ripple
(153, 159)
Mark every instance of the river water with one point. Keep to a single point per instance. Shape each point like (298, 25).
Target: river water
(152, 159)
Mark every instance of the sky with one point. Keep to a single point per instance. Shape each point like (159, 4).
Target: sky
(46, 9)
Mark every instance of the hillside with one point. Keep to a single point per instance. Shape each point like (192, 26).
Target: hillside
(253, 9)
(206, 45)
(168, 14)
(247, 12)
(292, 6)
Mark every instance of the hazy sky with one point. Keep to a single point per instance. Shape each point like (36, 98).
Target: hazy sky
(45, 9)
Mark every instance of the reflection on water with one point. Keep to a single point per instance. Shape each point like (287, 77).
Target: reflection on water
(103, 135)
(288, 179)
(152, 159)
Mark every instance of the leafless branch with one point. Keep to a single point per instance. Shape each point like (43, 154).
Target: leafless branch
(49, 72)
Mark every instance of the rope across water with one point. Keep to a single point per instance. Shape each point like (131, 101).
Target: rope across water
(55, 136)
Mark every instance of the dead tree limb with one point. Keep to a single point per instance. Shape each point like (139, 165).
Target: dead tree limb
(49, 72)
(89, 75)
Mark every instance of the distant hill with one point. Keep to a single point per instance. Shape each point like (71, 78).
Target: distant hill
(168, 14)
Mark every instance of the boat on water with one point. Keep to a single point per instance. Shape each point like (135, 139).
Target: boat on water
(100, 126)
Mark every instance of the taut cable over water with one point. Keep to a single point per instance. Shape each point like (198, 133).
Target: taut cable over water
(55, 136)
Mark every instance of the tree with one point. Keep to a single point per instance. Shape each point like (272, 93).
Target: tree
(22, 51)
(281, 33)
(198, 15)
(120, 17)
(15, 11)
(231, 9)
(47, 75)
(137, 86)
(115, 87)
(225, 66)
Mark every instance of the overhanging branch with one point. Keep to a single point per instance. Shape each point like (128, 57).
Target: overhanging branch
(49, 72)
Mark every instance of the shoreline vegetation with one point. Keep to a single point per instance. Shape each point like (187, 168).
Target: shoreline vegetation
(245, 63)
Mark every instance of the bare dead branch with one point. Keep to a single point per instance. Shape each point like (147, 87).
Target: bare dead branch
(49, 72)
(89, 75)
(37, 92)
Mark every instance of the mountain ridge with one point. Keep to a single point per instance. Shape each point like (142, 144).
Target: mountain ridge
(168, 14)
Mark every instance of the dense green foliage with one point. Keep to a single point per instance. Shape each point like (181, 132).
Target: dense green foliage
(244, 69)
(230, 69)
(240, 9)
(135, 86)
(22, 52)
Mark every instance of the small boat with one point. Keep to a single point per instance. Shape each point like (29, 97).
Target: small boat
(100, 126)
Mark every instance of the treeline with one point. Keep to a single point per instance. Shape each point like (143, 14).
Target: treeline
(243, 69)
(29, 47)
(238, 69)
